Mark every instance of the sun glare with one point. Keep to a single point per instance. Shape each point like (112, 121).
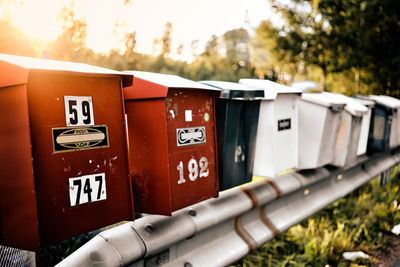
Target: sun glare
(38, 19)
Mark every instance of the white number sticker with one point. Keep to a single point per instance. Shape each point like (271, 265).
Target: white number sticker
(193, 168)
(86, 189)
(78, 110)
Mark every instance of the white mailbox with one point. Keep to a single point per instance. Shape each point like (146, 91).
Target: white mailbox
(393, 103)
(277, 134)
(365, 123)
(319, 121)
(349, 131)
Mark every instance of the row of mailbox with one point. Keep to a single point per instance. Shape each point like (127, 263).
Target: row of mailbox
(83, 147)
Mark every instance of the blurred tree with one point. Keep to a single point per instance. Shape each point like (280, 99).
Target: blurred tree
(338, 36)
(130, 55)
(269, 58)
(179, 49)
(193, 47)
(306, 36)
(71, 43)
(369, 35)
(211, 48)
(236, 47)
(166, 40)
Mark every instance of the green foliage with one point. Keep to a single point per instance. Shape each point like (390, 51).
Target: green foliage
(361, 221)
(356, 37)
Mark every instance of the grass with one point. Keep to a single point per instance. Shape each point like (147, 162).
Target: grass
(361, 221)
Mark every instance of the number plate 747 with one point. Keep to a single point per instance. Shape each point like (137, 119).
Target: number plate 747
(88, 188)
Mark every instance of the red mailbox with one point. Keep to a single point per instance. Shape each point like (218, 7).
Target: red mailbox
(171, 129)
(63, 156)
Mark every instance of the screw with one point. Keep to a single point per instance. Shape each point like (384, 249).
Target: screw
(149, 228)
(192, 213)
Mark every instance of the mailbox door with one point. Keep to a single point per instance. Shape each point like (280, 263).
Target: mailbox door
(192, 149)
(148, 157)
(252, 111)
(18, 212)
(379, 131)
(393, 130)
(343, 140)
(286, 129)
(354, 140)
(231, 143)
(79, 153)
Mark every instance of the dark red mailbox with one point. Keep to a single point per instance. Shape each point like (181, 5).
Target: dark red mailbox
(63, 156)
(171, 129)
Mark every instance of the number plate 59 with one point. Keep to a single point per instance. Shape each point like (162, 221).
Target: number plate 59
(88, 188)
(78, 110)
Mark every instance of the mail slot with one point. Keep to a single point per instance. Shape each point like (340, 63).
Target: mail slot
(277, 133)
(349, 131)
(237, 110)
(172, 142)
(63, 156)
(319, 120)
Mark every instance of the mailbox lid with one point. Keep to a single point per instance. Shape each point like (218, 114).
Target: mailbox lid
(271, 89)
(156, 85)
(305, 86)
(230, 90)
(366, 102)
(16, 69)
(323, 100)
(353, 106)
(392, 102)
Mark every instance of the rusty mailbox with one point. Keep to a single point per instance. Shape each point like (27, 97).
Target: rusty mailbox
(172, 142)
(63, 156)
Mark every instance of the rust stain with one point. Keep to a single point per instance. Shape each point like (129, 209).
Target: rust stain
(244, 235)
(251, 195)
(267, 222)
(274, 186)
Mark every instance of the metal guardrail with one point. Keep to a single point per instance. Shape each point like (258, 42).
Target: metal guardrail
(222, 230)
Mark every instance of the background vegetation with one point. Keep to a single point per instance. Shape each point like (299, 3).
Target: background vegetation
(348, 46)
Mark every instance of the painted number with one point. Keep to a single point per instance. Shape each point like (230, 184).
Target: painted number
(203, 167)
(78, 110)
(193, 169)
(86, 189)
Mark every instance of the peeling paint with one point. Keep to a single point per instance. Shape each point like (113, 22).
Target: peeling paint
(172, 113)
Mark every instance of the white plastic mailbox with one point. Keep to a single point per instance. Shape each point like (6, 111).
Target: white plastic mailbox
(349, 131)
(277, 134)
(365, 123)
(319, 121)
(394, 103)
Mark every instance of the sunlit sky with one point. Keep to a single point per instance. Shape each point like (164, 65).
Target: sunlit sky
(191, 20)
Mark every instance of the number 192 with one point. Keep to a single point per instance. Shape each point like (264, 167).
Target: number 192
(193, 169)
